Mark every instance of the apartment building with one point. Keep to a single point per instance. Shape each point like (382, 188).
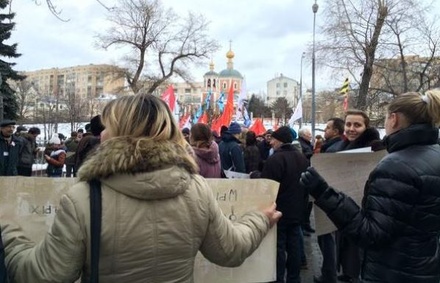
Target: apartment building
(87, 81)
(282, 86)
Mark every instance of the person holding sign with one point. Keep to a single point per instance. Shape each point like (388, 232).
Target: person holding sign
(157, 211)
(398, 224)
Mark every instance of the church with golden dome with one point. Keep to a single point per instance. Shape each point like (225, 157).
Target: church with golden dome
(192, 95)
(216, 83)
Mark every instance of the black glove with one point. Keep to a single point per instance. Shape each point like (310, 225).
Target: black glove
(313, 182)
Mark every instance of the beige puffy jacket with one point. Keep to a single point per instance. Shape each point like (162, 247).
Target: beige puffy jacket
(157, 214)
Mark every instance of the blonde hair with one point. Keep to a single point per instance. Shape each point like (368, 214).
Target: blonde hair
(141, 115)
(418, 108)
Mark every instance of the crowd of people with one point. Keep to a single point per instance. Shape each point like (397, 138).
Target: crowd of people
(149, 170)
(62, 156)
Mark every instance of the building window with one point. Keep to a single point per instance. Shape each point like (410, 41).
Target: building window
(285, 84)
(278, 92)
(224, 85)
(235, 85)
(187, 90)
(278, 84)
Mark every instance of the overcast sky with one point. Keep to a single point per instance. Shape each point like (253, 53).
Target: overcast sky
(268, 37)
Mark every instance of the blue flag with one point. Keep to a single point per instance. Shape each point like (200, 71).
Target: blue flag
(221, 102)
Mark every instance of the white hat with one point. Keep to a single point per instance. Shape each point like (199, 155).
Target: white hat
(55, 140)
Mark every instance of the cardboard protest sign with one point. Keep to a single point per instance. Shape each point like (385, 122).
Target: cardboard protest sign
(33, 201)
(345, 172)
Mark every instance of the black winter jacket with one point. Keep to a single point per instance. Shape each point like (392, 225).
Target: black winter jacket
(9, 155)
(398, 225)
(285, 166)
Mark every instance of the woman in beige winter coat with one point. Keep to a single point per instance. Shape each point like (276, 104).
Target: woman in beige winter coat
(157, 212)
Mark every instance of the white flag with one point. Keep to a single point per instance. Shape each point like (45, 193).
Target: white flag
(241, 101)
(297, 113)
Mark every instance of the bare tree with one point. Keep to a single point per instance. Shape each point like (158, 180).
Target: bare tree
(25, 99)
(351, 38)
(161, 44)
(373, 40)
(413, 62)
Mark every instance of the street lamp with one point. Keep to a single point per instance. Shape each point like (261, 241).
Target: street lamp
(301, 85)
(314, 9)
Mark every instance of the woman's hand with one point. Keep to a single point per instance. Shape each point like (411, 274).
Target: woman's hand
(273, 214)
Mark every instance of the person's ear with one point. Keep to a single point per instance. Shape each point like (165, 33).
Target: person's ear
(395, 120)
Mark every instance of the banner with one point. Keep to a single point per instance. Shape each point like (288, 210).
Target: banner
(346, 172)
(32, 202)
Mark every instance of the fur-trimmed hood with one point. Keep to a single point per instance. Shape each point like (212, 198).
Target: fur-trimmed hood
(140, 167)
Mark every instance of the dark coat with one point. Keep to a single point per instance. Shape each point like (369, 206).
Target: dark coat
(9, 155)
(29, 150)
(252, 158)
(71, 147)
(328, 144)
(306, 146)
(86, 146)
(285, 166)
(398, 225)
(231, 154)
(264, 148)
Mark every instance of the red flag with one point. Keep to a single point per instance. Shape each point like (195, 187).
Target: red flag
(216, 125)
(169, 97)
(229, 108)
(204, 118)
(258, 127)
(184, 121)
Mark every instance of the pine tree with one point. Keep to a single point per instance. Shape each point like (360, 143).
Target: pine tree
(10, 104)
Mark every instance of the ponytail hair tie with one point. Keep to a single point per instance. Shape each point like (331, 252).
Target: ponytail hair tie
(425, 98)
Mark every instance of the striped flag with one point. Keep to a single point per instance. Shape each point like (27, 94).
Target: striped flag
(344, 90)
(345, 87)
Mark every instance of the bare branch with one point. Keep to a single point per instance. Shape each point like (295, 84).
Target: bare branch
(159, 41)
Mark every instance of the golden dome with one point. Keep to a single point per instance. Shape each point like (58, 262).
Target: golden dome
(230, 54)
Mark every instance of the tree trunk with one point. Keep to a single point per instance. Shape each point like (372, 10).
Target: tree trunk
(370, 50)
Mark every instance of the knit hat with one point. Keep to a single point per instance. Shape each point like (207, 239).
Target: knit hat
(283, 134)
(21, 129)
(294, 134)
(96, 126)
(234, 128)
(55, 139)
